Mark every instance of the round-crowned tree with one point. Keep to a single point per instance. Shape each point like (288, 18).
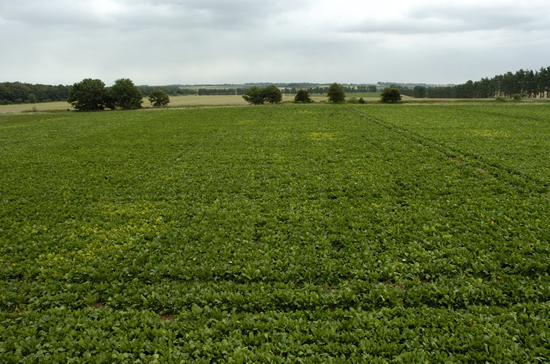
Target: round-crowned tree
(336, 93)
(88, 95)
(302, 96)
(159, 98)
(125, 94)
(272, 94)
(390, 95)
(254, 95)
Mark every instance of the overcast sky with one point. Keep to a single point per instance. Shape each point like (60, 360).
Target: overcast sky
(160, 42)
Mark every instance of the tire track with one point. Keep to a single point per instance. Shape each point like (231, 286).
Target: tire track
(477, 162)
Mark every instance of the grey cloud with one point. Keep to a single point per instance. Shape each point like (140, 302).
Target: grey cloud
(234, 15)
(217, 41)
(237, 13)
(492, 17)
(452, 18)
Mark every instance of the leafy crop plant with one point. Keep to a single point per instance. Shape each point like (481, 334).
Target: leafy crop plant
(294, 233)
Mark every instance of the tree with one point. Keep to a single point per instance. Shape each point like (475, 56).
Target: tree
(254, 95)
(88, 95)
(419, 92)
(32, 98)
(159, 98)
(272, 94)
(336, 93)
(125, 94)
(303, 96)
(390, 95)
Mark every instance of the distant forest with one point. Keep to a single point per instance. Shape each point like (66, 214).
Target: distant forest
(526, 83)
(19, 93)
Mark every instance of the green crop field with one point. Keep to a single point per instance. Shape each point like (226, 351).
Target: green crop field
(288, 233)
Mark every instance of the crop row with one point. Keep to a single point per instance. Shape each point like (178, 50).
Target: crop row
(329, 233)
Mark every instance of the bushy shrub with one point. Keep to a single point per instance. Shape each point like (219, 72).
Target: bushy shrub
(125, 94)
(88, 95)
(302, 96)
(390, 95)
(272, 94)
(336, 93)
(517, 97)
(254, 96)
(159, 98)
(257, 96)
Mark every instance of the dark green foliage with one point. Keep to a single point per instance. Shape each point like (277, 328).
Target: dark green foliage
(272, 94)
(335, 93)
(254, 95)
(125, 94)
(300, 233)
(302, 96)
(17, 92)
(32, 98)
(419, 92)
(526, 83)
(169, 90)
(517, 97)
(390, 95)
(159, 98)
(88, 95)
(220, 91)
(110, 100)
(361, 101)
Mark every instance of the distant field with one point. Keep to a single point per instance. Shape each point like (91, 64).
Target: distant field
(62, 105)
(289, 233)
(204, 100)
(174, 101)
(365, 95)
(238, 100)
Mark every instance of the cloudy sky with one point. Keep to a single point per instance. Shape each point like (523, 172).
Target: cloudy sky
(159, 42)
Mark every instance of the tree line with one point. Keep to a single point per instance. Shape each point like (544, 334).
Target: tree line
(19, 93)
(525, 83)
(220, 91)
(169, 90)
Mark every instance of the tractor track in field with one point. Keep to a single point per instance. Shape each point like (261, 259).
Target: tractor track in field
(454, 154)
